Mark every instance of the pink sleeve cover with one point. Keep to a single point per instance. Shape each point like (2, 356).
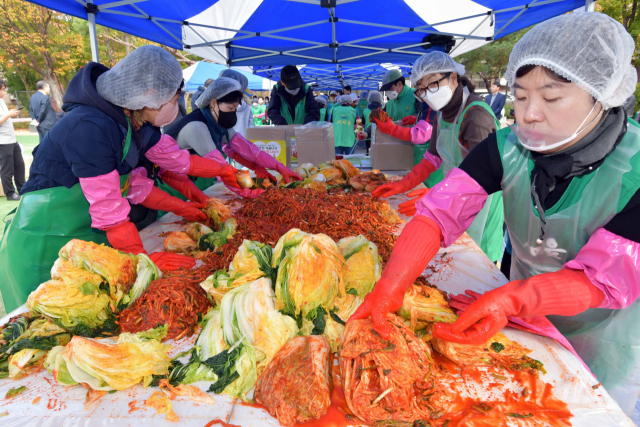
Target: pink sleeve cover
(215, 155)
(453, 204)
(434, 160)
(107, 207)
(612, 264)
(421, 132)
(251, 152)
(169, 156)
(140, 186)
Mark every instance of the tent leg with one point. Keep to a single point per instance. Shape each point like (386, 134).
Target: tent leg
(93, 38)
(589, 6)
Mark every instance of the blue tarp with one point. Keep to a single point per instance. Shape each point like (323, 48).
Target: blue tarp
(276, 32)
(206, 70)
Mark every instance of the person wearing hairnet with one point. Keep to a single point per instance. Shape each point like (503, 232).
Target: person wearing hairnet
(322, 102)
(84, 181)
(464, 120)
(343, 117)
(374, 99)
(570, 174)
(362, 103)
(292, 100)
(209, 131)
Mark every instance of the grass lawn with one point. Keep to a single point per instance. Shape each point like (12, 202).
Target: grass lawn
(29, 142)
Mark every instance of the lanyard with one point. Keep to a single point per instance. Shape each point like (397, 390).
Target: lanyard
(127, 141)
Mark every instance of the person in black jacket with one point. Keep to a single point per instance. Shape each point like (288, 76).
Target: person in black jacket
(40, 109)
(292, 100)
(199, 92)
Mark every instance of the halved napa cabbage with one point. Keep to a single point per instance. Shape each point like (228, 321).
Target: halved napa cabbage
(364, 268)
(252, 256)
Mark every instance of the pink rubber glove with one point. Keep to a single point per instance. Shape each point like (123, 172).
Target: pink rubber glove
(287, 174)
(247, 193)
(564, 292)
(107, 207)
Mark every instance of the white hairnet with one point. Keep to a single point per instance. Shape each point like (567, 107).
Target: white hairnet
(364, 94)
(237, 76)
(354, 97)
(374, 96)
(345, 99)
(320, 100)
(591, 50)
(432, 63)
(147, 77)
(221, 87)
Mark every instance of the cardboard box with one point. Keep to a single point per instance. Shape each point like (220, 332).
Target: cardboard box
(271, 139)
(315, 143)
(389, 153)
(292, 151)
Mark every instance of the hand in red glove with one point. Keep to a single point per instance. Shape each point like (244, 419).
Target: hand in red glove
(418, 243)
(228, 176)
(408, 208)
(418, 174)
(409, 120)
(361, 136)
(247, 193)
(167, 261)
(125, 237)
(208, 168)
(287, 174)
(159, 200)
(186, 187)
(393, 129)
(262, 173)
(565, 292)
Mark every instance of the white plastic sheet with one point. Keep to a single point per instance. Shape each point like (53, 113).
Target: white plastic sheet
(455, 269)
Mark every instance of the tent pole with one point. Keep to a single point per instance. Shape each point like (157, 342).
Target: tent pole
(92, 10)
(589, 6)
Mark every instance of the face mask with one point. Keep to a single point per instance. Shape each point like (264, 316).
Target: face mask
(548, 139)
(166, 114)
(227, 120)
(392, 94)
(292, 91)
(439, 99)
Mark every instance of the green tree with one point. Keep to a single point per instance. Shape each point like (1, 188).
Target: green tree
(490, 61)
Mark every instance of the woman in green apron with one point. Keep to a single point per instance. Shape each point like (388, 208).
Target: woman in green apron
(570, 176)
(84, 176)
(464, 120)
(344, 120)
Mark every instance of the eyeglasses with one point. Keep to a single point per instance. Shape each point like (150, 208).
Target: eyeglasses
(432, 87)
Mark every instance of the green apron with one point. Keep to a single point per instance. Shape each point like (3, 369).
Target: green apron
(607, 340)
(404, 105)
(300, 111)
(486, 229)
(361, 106)
(43, 223)
(323, 114)
(257, 121)
(344, 119)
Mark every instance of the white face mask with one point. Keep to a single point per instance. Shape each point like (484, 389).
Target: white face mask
(392, 94)
(439, 99)
(292, 91)
(543, 140)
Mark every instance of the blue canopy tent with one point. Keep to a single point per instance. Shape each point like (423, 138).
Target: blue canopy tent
(270, 32)
(196, 74)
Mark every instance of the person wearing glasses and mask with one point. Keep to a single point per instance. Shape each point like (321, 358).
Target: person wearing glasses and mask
(292, 100)
(84, 177)
(208, 131)
(570, 174)
(463, 121)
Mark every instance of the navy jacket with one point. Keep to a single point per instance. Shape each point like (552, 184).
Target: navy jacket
(281, 95)
(498, 104)
(89, 140)
(195, 97)
(40, 109)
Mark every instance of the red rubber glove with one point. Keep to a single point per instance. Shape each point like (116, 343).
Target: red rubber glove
(247, 193)
(159, 200)
(409, 120)
(207, 168)
(361, 136)
(408, 208)
(125, 238)
(418, 243)
(259, 170)
(167, 261)
(186, 187)
(418, 174)
(393, 129)
(287, 174)
(565, 292)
